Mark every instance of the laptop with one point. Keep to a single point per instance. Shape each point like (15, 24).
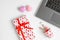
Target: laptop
(49, 10)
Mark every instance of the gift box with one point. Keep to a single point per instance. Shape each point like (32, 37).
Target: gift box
(47, 31)
(23, 28)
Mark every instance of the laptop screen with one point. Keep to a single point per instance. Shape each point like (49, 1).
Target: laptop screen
(54, 4)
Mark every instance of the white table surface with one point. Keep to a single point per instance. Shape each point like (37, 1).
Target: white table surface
(9, 11)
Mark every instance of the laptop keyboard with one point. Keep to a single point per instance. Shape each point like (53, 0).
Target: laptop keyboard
(54, 4)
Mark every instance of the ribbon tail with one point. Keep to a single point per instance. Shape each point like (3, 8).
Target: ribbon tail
(23, 34)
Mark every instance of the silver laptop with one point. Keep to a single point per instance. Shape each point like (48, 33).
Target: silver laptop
(49, 11)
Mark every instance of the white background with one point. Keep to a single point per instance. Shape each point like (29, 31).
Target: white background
(9, 11)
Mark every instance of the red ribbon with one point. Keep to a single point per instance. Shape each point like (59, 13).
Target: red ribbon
(20, 29)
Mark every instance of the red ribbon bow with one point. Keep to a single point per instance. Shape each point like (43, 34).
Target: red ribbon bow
(20, 29)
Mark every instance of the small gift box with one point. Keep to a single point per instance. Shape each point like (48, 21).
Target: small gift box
(23, 28)
(47, 31)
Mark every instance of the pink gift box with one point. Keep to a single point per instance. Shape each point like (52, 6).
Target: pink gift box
(23, 28)
(48, 32)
